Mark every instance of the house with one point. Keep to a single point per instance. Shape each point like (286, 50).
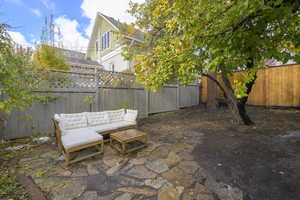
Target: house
(77, 61)
(105, 44)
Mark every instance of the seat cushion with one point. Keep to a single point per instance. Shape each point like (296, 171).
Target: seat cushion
(78, 137)
(97, 118)
(123, 124)
(103, 128)
(131, 115)
(116, 115)
(72, 121)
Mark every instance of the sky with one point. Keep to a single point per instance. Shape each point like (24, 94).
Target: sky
(74, 18)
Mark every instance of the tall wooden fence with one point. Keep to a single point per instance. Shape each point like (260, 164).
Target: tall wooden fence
(85, 92)
(275, 86)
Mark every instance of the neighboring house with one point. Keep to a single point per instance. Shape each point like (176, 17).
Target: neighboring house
(78, 61)
(105, 45)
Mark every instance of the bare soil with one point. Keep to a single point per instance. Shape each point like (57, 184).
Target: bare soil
(262, 160)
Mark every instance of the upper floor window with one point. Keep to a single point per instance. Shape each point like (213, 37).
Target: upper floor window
(105, 41)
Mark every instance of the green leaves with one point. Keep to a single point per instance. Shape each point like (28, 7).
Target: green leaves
(16, 84)
(229, 34)
(46, 57)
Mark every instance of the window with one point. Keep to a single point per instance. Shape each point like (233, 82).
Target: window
(108, 39)
(105, 40)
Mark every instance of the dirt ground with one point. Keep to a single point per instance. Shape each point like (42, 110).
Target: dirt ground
(262, 160)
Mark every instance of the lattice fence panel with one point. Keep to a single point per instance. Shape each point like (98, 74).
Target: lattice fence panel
(60, 79)
(116, 79)
(65, 79)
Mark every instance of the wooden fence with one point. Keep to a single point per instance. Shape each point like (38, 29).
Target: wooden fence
(274, 86)
(108, 91)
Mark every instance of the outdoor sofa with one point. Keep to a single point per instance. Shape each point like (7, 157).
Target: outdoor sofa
(78, 131)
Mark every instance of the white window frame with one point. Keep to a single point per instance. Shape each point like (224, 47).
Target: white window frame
(105, 40)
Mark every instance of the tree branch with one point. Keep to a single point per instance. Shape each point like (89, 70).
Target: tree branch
(217, 82)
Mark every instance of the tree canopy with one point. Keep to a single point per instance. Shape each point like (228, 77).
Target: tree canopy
(194, 37)
(16, 83)
(185, 38)
(47, 58)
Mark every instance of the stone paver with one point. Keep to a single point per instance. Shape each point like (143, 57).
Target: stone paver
(169, 192)
(141, 172)
(90, 195)
(156, 183)
(125, 196)
(165, 170)
(179, 177)
(158, 166)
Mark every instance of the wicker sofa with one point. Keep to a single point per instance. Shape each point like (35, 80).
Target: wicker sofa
(78, 131)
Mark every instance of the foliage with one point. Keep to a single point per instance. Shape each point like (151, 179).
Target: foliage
(239, 82)
(16, 82)
(186, 38)
(89, 99)
(46, 57)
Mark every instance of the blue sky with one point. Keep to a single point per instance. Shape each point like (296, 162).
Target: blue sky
(73, 17)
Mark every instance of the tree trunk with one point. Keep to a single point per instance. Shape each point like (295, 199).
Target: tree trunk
(211, 92)
(238, 106)
(232, 101)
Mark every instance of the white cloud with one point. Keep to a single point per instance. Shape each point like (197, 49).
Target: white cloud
(113, 8)
(37, 12)
(71, 38)
(49, 4)
(19, 39)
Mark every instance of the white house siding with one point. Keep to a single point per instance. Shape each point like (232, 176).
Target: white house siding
(118, 61)
(115, 58)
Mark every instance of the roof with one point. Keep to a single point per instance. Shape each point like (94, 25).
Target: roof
(75, 57)
(139, 35)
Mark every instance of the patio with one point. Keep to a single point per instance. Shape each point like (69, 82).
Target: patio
(192, 155)
(165, 170)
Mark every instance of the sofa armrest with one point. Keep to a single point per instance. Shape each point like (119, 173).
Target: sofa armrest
(57, 134)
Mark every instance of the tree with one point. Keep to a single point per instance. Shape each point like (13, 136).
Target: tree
(16, 83)
(47, 58)
(188, 38)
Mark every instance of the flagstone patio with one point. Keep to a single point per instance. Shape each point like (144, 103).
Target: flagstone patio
(164, 170)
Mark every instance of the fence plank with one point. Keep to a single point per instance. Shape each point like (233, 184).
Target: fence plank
(276, 86)
(119, 92)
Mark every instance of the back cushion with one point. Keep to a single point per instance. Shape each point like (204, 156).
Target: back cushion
(130, 115)
(97, 118)
(72, 121)
(116, 115)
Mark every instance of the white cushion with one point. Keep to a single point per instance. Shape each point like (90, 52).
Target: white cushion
(123, 124)
(116, 115)
(103, 127)
(77, 130)
(56, 117)
(80, 137)
(130, 115)
(72, 121)
(97, 118)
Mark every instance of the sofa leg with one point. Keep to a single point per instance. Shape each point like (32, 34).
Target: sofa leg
(67, 157)
(100, 147)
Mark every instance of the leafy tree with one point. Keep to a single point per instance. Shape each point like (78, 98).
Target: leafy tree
(47, 58)
(16, 83)
(185, 38)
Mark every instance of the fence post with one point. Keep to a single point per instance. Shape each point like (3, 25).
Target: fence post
(147, 102)
(178, 95)
(97, 80)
